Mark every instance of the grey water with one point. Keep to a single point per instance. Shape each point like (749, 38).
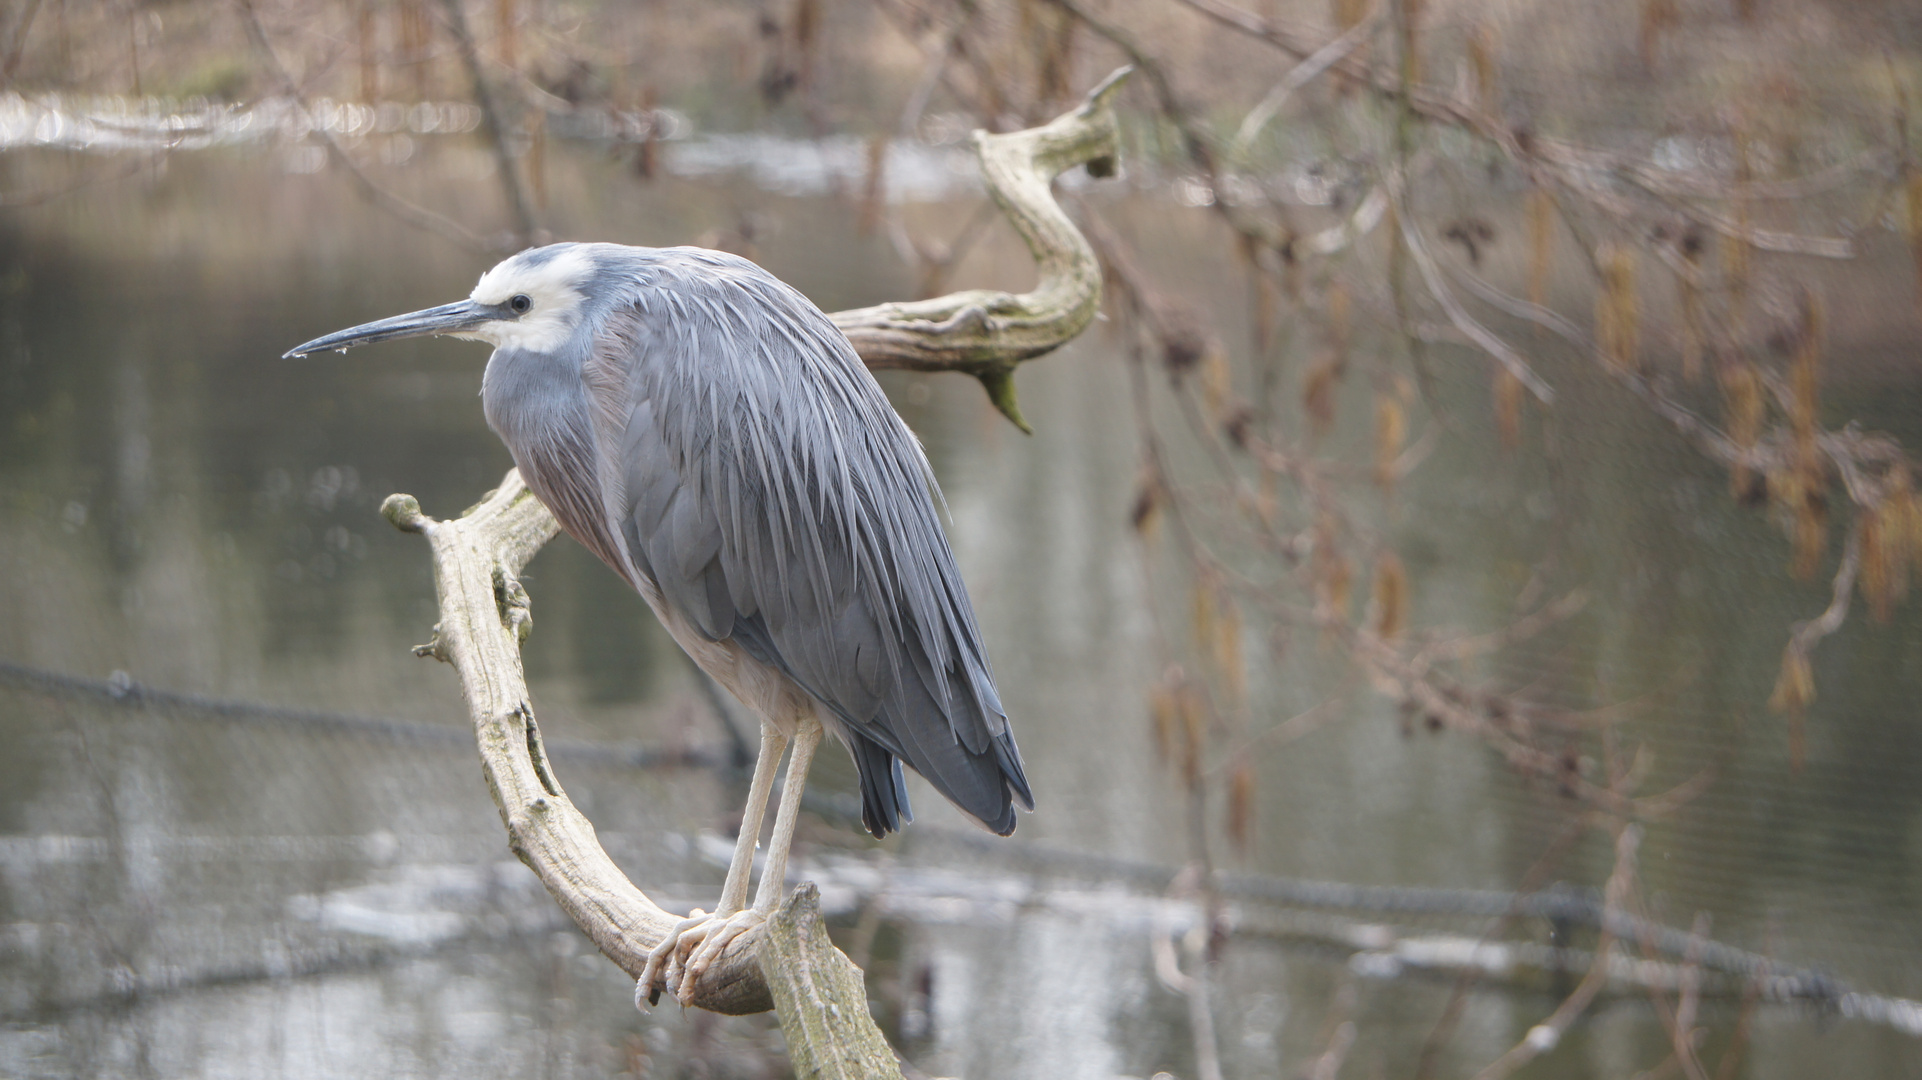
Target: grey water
(316, 884)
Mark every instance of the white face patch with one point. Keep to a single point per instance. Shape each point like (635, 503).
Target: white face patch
(554, 288)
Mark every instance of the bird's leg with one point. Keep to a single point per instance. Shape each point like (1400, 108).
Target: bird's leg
(690, 931)
(741, 868)
(774, 871)
(729, 926)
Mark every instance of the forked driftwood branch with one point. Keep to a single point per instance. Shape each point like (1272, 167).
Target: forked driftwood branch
(789, 964)
(986, 333)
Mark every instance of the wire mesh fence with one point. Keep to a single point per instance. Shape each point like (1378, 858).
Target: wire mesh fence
(172, 858)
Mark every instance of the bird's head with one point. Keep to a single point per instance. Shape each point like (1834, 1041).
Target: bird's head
(533, 300)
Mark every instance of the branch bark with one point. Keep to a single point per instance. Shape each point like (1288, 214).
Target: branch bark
(484, 618)
(985, 333)
(788, 964)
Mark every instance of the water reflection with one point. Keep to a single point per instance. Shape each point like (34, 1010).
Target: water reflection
(187, 893)
(120, 123)
(914, 171)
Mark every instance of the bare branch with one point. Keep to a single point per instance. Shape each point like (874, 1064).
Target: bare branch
(418, 216)
(527, 229)
(1196, 139)
(1298, 76)
(1463, 321)
(1806, 634)
(1334, 239)
(986, 333)
(1189, 884)
(1572, 166)
(821, 997)
(1544, 1036)
(22, 27)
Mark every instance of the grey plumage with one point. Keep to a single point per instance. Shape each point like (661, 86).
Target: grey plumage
(706, 431)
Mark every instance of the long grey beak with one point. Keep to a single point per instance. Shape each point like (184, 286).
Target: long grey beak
(445, 319)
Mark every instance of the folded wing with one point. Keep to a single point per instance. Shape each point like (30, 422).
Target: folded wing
(776, 500)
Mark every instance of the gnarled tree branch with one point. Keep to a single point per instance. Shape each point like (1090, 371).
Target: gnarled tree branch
(986, 333)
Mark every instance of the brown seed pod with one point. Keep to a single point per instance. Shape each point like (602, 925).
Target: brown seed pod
(1689, 286)
(1483, 45)
(1217, 380)
(1541, 243)
(1318, 394)
(1509, 392)
(1146, 512)
(1795, 684)
(1339, 305)
(1164, 708)
(1391, 430)
(1877, 577)
(1391, 596)
(1744, 408)
(1241, 804)
(1617, 313)
(1913, 224)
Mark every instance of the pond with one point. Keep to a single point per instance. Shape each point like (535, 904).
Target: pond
(242, 833)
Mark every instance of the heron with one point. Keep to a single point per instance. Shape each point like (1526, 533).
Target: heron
(711, 436)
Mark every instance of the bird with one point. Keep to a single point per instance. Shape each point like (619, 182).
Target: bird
(708, 433)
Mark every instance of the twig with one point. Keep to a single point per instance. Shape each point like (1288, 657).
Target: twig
(1522, 629)
(1337, 238)
(1295, 727)
(1544, 1036)
(1298, 76)
(1450, 1018)
(527, 228)
(1806, 634)
(917, 102)
(1339, 1033)
(418, 216)
(1684, 1032)
(22, 27)
(1479, 334)
(1190, 882)
(1567, 164)
(1751, 997)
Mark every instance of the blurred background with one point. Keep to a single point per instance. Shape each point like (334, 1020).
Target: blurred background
(1474, 539)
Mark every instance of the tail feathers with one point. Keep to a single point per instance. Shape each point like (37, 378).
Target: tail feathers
(997, 786)
(1008, 757)
(884, 791)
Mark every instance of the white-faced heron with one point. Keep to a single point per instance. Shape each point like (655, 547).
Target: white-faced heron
(708, 433)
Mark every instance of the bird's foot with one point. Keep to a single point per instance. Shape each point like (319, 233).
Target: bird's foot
(684, 955)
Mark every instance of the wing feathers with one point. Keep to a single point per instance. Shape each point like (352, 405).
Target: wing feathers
(774, 497)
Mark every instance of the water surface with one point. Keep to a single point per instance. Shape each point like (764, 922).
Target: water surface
(264, 891)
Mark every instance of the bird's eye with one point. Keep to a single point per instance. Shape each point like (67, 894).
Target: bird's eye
(520, 303)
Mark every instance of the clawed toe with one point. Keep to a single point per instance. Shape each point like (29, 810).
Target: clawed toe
(717, 936)
(663, 958)
(684, 955)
